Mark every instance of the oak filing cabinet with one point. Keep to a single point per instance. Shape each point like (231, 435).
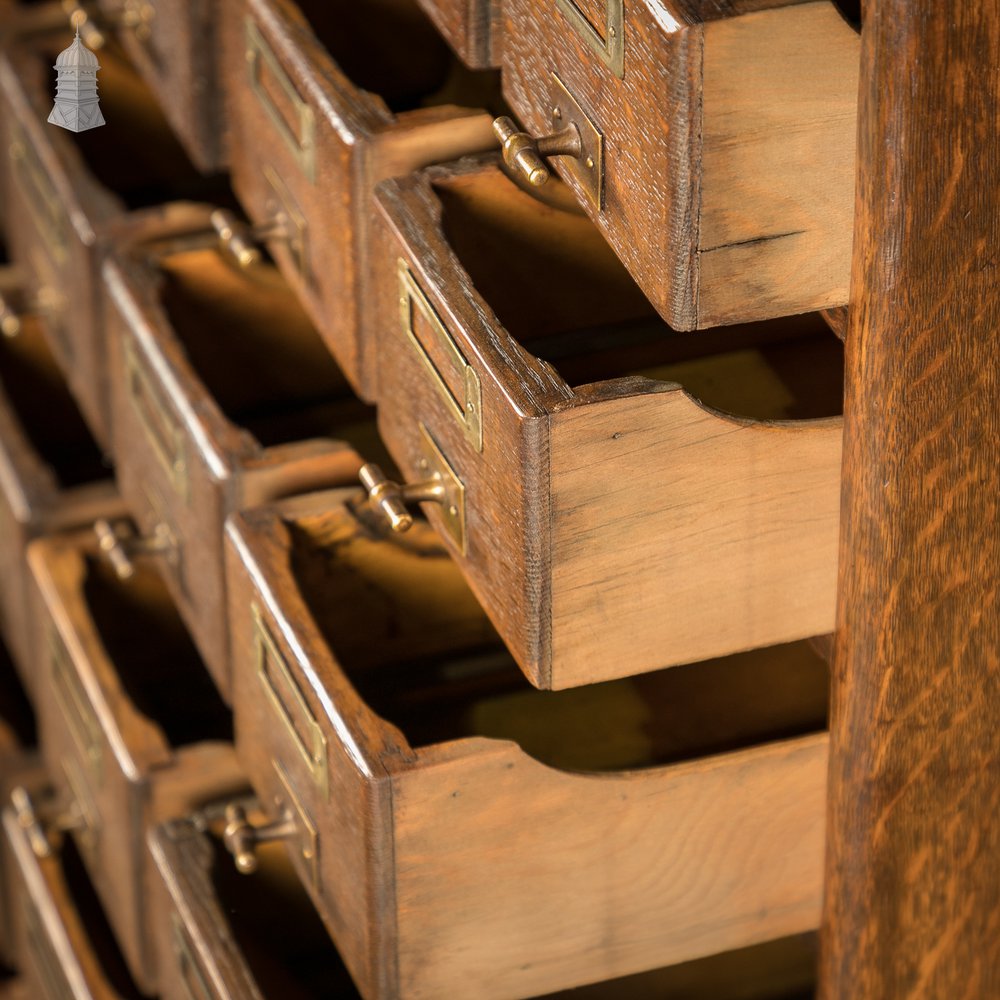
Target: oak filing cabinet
(420, 445)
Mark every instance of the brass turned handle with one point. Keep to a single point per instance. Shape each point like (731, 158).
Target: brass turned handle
(242, 838)
(119, 544)
(391, 498)
(524, 153)
(241, 240)
(14, 309)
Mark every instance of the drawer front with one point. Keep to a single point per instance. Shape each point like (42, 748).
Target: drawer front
(290, 160)
(305, 768)
(197, 957)
(13, 592)
(106, 805)
(328, 141)
(59, 269)
(447, 408)
(472, 28)
(56, 957)
(173, 45)
(718, 155)
(171, 486)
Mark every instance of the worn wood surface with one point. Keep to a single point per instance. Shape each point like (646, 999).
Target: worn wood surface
(381, 89)
(458, 852)
(913, 870)
(728, 146)
(131, 730)
(617, 486)
(222, 395)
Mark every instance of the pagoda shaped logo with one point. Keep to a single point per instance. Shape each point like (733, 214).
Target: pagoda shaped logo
(76, 106)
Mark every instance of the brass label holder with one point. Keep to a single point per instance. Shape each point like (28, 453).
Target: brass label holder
(467, 411)
(281, 207)
(43, 950)
(163, 432)
(308, 839)
(75, 707)
(40, 195)
(607, 42)
(86, 823)
(433, 465)
(289, 703)
(300, 135)
(587, 168)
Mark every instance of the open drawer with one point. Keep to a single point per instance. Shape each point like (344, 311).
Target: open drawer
(68, 195)
(132, 730)
(461, 832)
(324, 98)
(221, 935)
(66, 950)
(223, 396)
(620, 497)
(52, 474)
(712, 141)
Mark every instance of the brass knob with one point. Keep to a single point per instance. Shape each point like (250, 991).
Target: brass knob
(241, 837)
(241, 240)
(391, 498)
(120, 544)
(14, 308)
(524, 153)
(27, 820)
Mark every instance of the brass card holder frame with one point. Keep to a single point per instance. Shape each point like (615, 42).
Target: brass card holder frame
(40, 195)
(293, 710)
(299, 137)
(163, 432)
(468, 411)
(608, 45)
(42, 948)
(306, 835)
(75, 707)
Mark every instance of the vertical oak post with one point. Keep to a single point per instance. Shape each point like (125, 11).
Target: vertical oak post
(912, 904)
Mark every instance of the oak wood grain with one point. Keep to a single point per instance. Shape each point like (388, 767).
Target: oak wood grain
(729, 144)
(471, 839)
(913, 867)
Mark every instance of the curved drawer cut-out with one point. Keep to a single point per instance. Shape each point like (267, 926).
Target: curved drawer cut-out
(633, 498)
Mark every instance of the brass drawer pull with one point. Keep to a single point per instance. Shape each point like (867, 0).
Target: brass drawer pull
(120, 544)
(27, 820)
(242, 838)
(15, 306)
(241, 241)
(575, 135)
(441, 485)
(523, 153)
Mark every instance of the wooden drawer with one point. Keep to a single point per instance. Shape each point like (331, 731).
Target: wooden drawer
(219, 934)
(471, 27)
(19, 765)
(174, 45)
(323, 100)
(223, 396)
(69, 195)
(722, 137)
(649, 503)
(462, 832)
(52, 475)
(65, 947)
(132, 730)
